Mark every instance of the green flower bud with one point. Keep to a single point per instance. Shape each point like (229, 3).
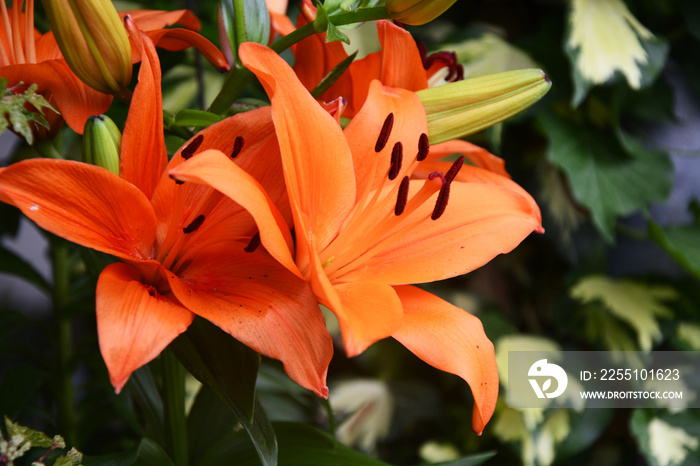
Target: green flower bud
(101, 143)
(93, 41)
(416, 12)
(464, 107)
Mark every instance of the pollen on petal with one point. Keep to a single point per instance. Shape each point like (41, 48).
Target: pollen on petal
(423, 147)
(253, 244)
(194, 224)
(237, 146)
(402, 196)
(396, 160)
(384, 133)
(192, 147)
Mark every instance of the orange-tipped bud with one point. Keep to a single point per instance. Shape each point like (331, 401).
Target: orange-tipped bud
(93, 41)
(416, 12)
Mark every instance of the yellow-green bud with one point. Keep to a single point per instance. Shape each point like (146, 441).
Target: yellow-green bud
(93, 41)
(464, 107)
(416, 12)
(101, 143)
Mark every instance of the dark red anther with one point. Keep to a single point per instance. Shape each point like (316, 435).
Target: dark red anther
(384, 133)
(176, 180)
(441, 203)
(253, 244)
(454, 169)
(402, 197)
(423, 147)
(455, 71)
(194, 224)
(190, 149)
(237, 146)
(396, 160)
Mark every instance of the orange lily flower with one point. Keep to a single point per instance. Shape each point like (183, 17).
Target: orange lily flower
(399, 63)
(372, 216)
(185, 249)
(28, 56)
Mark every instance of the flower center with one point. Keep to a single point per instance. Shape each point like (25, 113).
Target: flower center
(387, 211)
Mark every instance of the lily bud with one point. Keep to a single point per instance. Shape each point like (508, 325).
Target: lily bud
(93, 41)
(464, 107)
(101, 143)
(416, 12)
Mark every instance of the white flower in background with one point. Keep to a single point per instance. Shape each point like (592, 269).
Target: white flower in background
(607, 38)
(669, 445)
(370, 406)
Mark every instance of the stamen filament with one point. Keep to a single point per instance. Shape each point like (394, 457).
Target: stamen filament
(8, 29)
(29, 32)
(16, 37)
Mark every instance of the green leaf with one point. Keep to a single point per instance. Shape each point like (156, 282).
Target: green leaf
(209, 421)
(333, 34)
(142, 387)
(609, 178)
(637, 304)
(681, 242)
(196, 118)
(299, 445)
(332, 76)
(146, 453)
(230, 368)
(72, 458)
(36, 438)
(254, 26)
(13, 111)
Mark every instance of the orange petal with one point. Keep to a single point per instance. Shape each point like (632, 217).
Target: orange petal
(478, 156)
(453, 341)
(218, 171)
(149, 20)
(370, 312)
(75, 100)
(179, 39)
(82, 203)
(143, 155)
(402, 65)
(134, 322)
(481, 221)
(316, 160)
(252, 297)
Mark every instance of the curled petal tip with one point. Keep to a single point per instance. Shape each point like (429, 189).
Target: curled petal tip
(539, 230)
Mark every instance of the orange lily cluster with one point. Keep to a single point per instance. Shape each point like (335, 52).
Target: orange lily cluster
(259, 218)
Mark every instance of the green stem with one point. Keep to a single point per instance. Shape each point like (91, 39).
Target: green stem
(48, 149)
(238, 77)
(61, 300)
(174, 400)
(331, 417)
